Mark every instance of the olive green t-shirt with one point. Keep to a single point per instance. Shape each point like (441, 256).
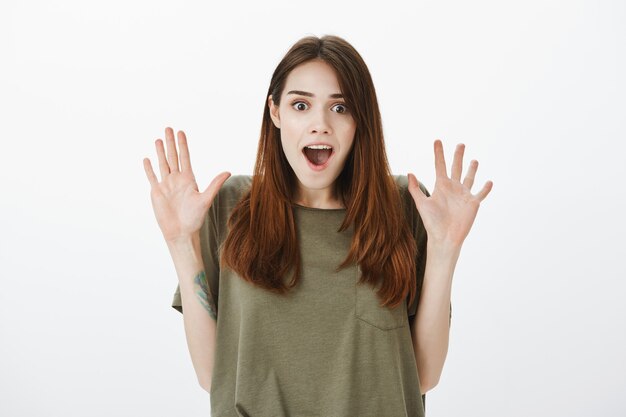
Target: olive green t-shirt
(327, 348)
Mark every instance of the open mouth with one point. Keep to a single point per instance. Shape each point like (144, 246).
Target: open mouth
(318, 155)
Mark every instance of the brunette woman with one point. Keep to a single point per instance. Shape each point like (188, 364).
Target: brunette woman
(320, 285)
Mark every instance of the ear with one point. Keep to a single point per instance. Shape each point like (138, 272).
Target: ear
(273, 111)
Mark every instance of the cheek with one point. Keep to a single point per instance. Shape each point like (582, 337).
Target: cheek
(290, 134)
(288, 126)
(289, 143)
(347, 132)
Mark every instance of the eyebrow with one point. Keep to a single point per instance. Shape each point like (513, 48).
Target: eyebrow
(306, 93)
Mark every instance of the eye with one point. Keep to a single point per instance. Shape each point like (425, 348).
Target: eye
(297, 105)
(298, 102)
(345, 109)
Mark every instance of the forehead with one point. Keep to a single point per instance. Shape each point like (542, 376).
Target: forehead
(316, 77)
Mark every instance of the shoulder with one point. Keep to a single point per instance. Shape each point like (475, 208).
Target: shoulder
(233, 189)
(237, 183)
(402, 181)
(412, 214)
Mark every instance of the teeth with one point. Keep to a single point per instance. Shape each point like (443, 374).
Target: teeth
(318, 147)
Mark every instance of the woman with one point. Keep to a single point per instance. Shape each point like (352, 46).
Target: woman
(306, 288)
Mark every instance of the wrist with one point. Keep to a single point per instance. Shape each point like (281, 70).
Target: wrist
(443, 249)
(183, 243)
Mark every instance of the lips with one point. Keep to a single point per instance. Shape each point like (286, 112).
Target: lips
(318, 143)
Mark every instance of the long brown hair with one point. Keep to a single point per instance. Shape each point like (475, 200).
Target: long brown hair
(262, 246)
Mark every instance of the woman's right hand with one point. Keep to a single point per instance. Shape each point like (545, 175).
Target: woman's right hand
(178, 205)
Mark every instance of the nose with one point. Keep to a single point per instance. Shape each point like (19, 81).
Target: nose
(319, 123)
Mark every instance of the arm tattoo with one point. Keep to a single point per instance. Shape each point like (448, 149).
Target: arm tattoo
(204, 295)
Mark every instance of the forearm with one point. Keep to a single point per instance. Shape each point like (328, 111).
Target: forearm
(431, 327)
(199, 312)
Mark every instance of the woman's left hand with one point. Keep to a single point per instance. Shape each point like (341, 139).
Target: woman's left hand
(449, 212)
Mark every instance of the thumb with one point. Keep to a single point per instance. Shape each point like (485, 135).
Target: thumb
(211, 190)
(415, 189)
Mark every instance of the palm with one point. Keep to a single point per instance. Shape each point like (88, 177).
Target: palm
(178, 205)
(448, 214)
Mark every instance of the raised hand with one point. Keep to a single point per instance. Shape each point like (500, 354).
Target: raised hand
(178, 205)
(449, 212)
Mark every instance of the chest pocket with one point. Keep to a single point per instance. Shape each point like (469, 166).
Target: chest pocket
(368, 310)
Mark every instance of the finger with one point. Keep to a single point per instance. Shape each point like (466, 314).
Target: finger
(185, 159)
(163, 166)
(457, 163)
(147, 166)
(440, 162)
(485, 191)
(212, 189)
(172, 155)
(471, 174)
(415, 189)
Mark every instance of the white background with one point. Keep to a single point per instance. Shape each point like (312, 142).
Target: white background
(534, 89)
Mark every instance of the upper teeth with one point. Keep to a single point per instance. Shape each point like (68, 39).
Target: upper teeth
(319, 147)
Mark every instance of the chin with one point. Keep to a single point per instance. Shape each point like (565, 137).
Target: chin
(315, 181)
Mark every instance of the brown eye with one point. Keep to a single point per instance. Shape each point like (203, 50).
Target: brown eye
(297, 103)
(344, 109)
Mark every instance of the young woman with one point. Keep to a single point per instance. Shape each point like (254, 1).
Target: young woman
(320, 285)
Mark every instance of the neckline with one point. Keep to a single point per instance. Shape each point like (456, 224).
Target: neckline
(316, 209)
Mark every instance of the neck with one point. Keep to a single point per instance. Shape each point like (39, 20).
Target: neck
(324, 199)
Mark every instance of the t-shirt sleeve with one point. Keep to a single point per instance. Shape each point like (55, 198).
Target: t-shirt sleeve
(209, 248)
(421, 237)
